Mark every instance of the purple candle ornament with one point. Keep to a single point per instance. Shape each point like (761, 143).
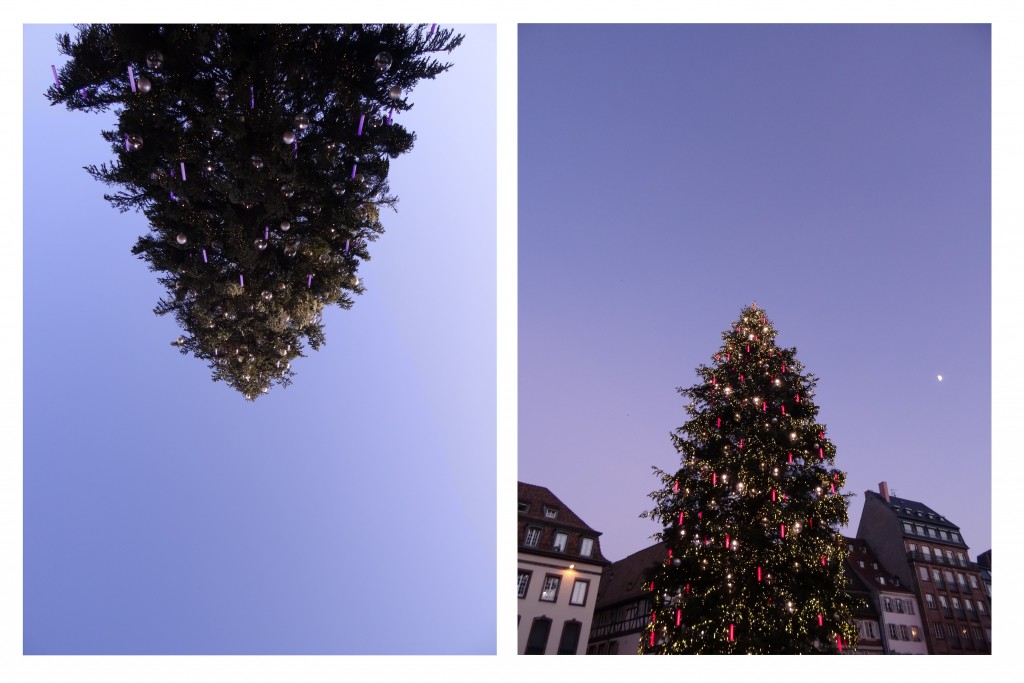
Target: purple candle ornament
(390, 114)
(295, 145)
(266, 232)
(252, 97)
(309, 281)
(346, 246)
(131, 78)
(56, 81)
(241, 279)
(173, 197)
(432, 27)
(204, 256)
(183, 171)
(362, 117)
(126, 142)
(173, 172)
(353, 171)
(85, 94)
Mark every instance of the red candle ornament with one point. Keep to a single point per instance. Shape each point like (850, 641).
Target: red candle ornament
(773, 495)
(727, 541)
(819, 620)
(764, 406)
(670, 553)
(833, 487)
(679, 617)
(675, 486)
(791, 456)
(652, 638)
(783, 367)
(653, 617)
(822, 560)
(839, 642)
(681, 515)
(741, 444)
(732, 633)
(783, 410)
(798, 398)
(758, 573)
(718, 424)
(782, 531)
(821, 453)
(714, 478)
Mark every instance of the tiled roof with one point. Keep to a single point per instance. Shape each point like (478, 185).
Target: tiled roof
(914, 510)
(862, 552)
(538, 498)
(623, 580)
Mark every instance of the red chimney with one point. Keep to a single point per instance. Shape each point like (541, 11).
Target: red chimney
(883, 488)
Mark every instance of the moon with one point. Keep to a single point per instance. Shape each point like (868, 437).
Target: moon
(940, 378)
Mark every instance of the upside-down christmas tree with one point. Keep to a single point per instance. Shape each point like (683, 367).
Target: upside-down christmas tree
(259, 156)
(754, 555)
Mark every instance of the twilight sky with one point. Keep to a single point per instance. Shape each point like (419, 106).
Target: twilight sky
(838, 175)
(165, 514)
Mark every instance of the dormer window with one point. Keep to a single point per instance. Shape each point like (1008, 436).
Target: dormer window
(550, 513)
(586, 547)
(561, 538)
(532, 537)
(524, 507)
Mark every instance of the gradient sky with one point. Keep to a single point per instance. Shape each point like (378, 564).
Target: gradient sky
(165, 514)
(837, 175)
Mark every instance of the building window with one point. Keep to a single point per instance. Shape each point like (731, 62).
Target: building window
(532, 537)
(969, 605)
(927, 552)
(570, 639)
(945, 534)
(914, 634)
(881, 580)
(924, 573)
(974, 581)
(871, 629)
(874, 565)
(524, 582)
(961, 579)
(977, 633)
(899, 606)
(949, 576)
(908, 527)
(579, 592)
(860, 563)
(550, 513)
(936, 575)
(937, 631)
(931, 532)
(893, 633)
(951, 630)
(963, 560)
(942, 601)
(981, 607)
(929, 600)
(587, 547)
(956, 604)
(537, 641)
(949, 556)
(904, 632)
(956, 536)
(910, 605)
(560, 540)
(524, 507)
(550, 591)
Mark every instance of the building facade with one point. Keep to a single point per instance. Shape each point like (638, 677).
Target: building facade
(894, 607)
(926, 552)
(560, 565)
(623, 606)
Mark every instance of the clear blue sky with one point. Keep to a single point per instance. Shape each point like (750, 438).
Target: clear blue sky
(164, 514)
(837, 175)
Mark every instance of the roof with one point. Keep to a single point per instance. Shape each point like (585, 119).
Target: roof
(868, 575)
(913, 510)
(538, 498)
(623, 580)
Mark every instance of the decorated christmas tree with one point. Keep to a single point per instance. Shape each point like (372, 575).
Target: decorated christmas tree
(259, 156)
(754, 555)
